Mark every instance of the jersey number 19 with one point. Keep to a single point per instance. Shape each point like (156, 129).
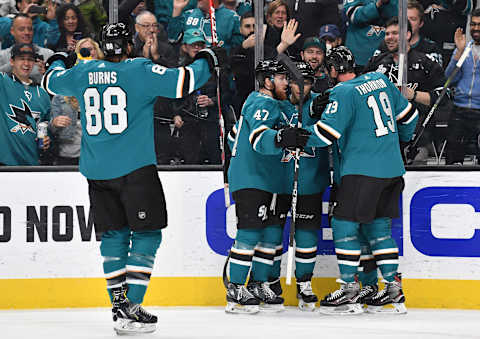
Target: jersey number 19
(114, 114)
(381, 129)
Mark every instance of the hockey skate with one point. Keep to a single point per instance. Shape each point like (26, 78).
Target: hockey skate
(306, 298)
(133, 319)
(342, 301)
(391, 295)
(275, 286)
(366, 293)
(240, 300)
(119, 295)
(269, 300)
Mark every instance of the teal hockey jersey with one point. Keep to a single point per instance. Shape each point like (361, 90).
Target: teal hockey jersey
(21, 108)
(257, 162)
(313, 172)
(116, 102)
(228, 26)
(366, 116)
(365, 30)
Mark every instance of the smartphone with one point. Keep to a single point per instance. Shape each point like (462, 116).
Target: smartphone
(35, 9)
(77, 35)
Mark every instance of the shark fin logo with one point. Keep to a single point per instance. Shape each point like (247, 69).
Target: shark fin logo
(19, 116)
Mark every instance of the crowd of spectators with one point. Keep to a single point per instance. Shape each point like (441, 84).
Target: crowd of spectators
(171, 32)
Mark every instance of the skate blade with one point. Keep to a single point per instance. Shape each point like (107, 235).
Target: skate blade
(272, 308)
(306, 307)
(349, 309)
(241, 309)
(129, 327)
(395, 308)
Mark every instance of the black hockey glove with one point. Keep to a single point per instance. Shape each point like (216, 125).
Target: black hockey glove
(292, 138)
(69, 59)
(409, 152)
(319, 104)
(215, 56)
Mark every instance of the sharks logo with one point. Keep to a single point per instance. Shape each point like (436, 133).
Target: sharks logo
(375, 30)
(19, 116)
(290, 154)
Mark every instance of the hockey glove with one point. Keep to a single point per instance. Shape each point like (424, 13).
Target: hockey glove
(215, 56)
(69, 59)
(319, 104)
(410, 152)
(292, 138)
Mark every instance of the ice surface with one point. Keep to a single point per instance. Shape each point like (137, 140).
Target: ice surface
(213, 322)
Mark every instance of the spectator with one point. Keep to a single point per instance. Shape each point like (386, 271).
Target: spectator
(425, 79)
(418, 42)
(464, 123)
(280, 34)
(93, 13)
(243, 57)
(313, 14)
(197, 115)
(71, 26)
(366, 26)
(65, 123)
(23, 104)
(148, 41)
(128, 11)
(228, 23)
(330, 34)
(314, 54)
(43, 32)
(442, 18)
(164, 10)
(22, 32)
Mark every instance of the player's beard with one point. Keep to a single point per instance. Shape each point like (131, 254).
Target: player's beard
(475, 36)
(279, 94)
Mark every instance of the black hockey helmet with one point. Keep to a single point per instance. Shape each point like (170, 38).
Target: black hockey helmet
(114, 39)
(341, 58)
(270, 67)
(306, 70)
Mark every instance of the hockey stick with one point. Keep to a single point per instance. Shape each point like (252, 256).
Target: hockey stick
(410, 150)
(298, 78)
(221, 122)
(113, 11)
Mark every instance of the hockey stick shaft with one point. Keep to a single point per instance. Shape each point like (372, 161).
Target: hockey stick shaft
(458, 66)
(221, 121)
(298, 78)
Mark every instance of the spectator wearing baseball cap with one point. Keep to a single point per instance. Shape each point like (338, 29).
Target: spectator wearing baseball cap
(314, 53)
(331, 35)
(23, 104)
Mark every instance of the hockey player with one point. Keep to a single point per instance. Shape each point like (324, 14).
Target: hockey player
(312, 182)
(118, 158)
(23, 104)
(255, 175)
(366, 116)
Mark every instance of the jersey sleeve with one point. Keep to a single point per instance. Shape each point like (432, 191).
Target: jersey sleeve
(335, 119)
(58, 80)
(361, 14)
(174, 83)
(261, 122)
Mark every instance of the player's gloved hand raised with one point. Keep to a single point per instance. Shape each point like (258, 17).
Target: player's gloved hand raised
(69, 59)
(215, 56)
(319, 104)
(292, 137)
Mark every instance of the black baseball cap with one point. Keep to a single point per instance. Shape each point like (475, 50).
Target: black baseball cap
(23, 49)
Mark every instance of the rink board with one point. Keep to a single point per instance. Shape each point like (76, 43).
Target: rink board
(49, 256)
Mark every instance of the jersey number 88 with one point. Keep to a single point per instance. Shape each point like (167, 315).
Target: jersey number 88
(114, 114)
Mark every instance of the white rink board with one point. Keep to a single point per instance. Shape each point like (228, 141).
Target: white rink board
(185, 251)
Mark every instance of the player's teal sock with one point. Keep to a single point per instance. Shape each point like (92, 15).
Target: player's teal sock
(305, 251)
(114, 250)
(265, 250)
(367, 271)
(347, 247)
(384, 247)
(140, 263)
(241, 254)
